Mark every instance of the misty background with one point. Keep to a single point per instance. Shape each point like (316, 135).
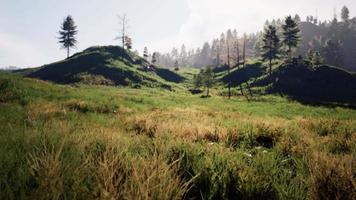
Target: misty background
(28, 34)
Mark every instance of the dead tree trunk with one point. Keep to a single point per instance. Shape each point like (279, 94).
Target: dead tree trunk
(228, 70)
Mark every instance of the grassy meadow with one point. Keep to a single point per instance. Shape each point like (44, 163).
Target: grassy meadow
(103, 142)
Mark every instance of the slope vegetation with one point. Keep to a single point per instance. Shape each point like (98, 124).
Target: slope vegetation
(321, 84)
(107, 65)
(102, 142)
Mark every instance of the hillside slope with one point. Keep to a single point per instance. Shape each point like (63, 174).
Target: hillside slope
(107, 65)
(323, 84)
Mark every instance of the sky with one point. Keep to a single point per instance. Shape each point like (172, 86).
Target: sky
(29, 28)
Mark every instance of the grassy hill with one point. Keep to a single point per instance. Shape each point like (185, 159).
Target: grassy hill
(298, 80)
(107, 65)
(104, 142)
(324, 84)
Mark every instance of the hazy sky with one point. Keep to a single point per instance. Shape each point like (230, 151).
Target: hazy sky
(28, 28)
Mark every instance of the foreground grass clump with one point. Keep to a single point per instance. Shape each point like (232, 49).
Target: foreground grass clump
(93, 142)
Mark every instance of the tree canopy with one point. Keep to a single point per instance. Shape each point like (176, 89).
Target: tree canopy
(67, 34)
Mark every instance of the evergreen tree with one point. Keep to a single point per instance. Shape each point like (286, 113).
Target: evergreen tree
(67, 34)
(175, 54)
(332, 51)
(291, 35)
(317, 59)
(215, 52)
(205, 78)
(205, 55)
(222, 47)
(297, 18)
(128, 43)
(145, 53)
(310, 55)
(183, 55)
(345, 14)
(176, 65)
(198, 80)
(154, 58)
(270, 46)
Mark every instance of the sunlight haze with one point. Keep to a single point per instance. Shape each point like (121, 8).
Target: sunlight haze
(28, 34)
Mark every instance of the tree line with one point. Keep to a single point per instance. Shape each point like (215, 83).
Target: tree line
(334, 43)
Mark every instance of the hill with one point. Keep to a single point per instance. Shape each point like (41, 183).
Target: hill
(244, 74)
(324, 84)
(106, 65)
(299, 80)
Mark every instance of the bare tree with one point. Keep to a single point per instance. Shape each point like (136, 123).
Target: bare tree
(124, 26)
(229, 67)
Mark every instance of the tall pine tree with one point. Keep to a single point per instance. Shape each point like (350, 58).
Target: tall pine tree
(67, 34)
(270, 46)
(345, 14)
(291, 35)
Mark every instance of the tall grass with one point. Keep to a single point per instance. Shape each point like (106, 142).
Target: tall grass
(94, 142)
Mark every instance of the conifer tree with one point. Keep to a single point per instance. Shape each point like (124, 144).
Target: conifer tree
(317, 59)
(145, 53)
(128, 43)
(176, 65)
(310, 55)
(345, 14)
(270, 46)
(291, 35)
(67, 34)
(154, 58)
(208, 79)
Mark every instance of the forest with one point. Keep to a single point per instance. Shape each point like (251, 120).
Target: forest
(334, 40)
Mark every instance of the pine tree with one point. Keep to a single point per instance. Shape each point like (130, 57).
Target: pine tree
(333, 52)
(176, 65)
(183, 55)
(208, 79)
(310, 55)
(270, 46)
(297, 18)
(345, 14)
(154, 58)
(291, 35)
(317, 59)
(67, 34)
(145, 53)
(215, 52)
(128, 43)
(198, 80)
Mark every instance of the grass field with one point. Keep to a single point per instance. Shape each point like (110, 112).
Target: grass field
(102, 142)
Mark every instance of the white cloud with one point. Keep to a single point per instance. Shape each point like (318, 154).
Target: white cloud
(208, 18)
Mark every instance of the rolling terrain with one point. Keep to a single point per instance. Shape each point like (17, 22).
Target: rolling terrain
(102, 141)
(106, 65)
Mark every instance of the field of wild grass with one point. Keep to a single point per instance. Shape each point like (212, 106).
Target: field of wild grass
(92, 142)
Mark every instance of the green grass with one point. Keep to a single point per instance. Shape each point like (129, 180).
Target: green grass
(103, 142)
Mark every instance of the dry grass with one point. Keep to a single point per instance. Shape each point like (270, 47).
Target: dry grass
(333, 177)
(110, 143)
